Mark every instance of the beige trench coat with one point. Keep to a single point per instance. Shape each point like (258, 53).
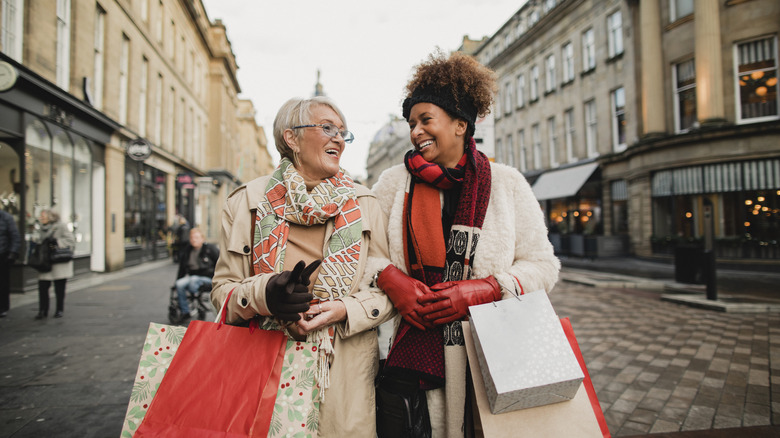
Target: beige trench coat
(348, 409)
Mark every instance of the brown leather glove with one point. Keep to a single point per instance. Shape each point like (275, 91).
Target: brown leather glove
(450, 300)
(404, 291)
(287, 293)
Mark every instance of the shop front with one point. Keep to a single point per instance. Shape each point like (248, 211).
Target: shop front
(52, 157)
(571, 199)
(146, 225)
(745, 199)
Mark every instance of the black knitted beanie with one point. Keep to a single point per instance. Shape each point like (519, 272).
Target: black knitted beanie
(461, 106)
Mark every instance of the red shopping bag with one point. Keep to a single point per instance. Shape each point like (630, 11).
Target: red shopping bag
(587, 383)
(222, 382)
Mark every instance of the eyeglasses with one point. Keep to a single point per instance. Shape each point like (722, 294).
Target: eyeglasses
(330, 130)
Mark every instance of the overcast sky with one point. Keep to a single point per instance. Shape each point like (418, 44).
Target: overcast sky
(365, 51)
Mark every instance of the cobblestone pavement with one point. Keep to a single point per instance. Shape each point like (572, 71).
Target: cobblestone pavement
(664, 367)
(658, 367)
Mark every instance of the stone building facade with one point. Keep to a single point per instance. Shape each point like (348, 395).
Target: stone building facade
(124, 114)
(645, 126)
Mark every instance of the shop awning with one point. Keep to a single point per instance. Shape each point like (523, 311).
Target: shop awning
(563, 183)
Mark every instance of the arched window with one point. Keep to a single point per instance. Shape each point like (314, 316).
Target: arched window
(62, 177)
(82, 187)
(37, 164)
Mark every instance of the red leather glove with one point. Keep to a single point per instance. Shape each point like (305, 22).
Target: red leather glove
(450, 300)
(404, 292)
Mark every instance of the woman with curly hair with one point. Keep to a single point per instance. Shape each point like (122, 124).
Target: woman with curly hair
(462, 231)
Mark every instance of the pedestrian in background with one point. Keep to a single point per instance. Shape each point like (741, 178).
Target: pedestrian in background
(462, 231)
(196, 267)
(10, 242)
(51, 226)
(181, 236)
(309, 210)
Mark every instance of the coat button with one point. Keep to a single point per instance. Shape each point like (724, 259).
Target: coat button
(244, 302)
(375, 313)
(246, 249)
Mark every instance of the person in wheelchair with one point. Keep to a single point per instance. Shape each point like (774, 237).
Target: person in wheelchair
(196, 267)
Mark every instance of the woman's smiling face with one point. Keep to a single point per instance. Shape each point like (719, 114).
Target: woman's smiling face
(438, 137)
(318, 153)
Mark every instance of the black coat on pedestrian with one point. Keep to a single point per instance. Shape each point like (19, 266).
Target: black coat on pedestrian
(10, 239)
(207, 261)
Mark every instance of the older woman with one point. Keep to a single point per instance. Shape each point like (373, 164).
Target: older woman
(462, 231)
(308, 210)
(60, 272)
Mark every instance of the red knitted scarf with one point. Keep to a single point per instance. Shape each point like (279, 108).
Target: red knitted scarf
(432, 260)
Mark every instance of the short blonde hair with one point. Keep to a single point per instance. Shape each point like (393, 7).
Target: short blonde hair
(296, 112)
(54, 215)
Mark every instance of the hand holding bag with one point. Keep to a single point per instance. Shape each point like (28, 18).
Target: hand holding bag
(580, 417)
(222, 382)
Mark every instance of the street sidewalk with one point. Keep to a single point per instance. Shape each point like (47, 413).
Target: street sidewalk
(659, 368)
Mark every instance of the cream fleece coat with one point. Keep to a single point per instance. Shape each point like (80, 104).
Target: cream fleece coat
(513, 247)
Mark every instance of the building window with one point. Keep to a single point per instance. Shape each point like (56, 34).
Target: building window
(549, 77)
(145, 10)
(537, 146)
(158, 110)
(568, 126)
(63, 43)
(568, 62)
(523, 164)
(13, 28)
(170, 41)
(160, 21)
(99, 49)
(520, 28)
(497, 105)
(508, 97)
(619, 194)
(520, 90)
(170, 117)
(533, 17)
(124, 72)
(552, 138)
(590, 128)
(534, 83)
(509, 155)
(757, 80)
(680, 9)
(684, 77)
(548, 5)
(142, 96)
(180, 120)
(619, 119)
(499, 150)
(588, 50)
(615, 34)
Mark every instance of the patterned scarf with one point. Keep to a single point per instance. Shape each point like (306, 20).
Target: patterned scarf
(432, 260)
(287, 201)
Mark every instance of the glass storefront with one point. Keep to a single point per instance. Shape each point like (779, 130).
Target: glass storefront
(10, 187)
(746, 208)
(58, 175)
(145, 210)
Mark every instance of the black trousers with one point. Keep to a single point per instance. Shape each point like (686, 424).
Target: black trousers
(43, 295)
(5, 283)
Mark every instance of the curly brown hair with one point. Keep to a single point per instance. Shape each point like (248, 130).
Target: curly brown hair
(460, 73)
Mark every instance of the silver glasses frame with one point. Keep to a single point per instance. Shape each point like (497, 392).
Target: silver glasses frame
(346, 135)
